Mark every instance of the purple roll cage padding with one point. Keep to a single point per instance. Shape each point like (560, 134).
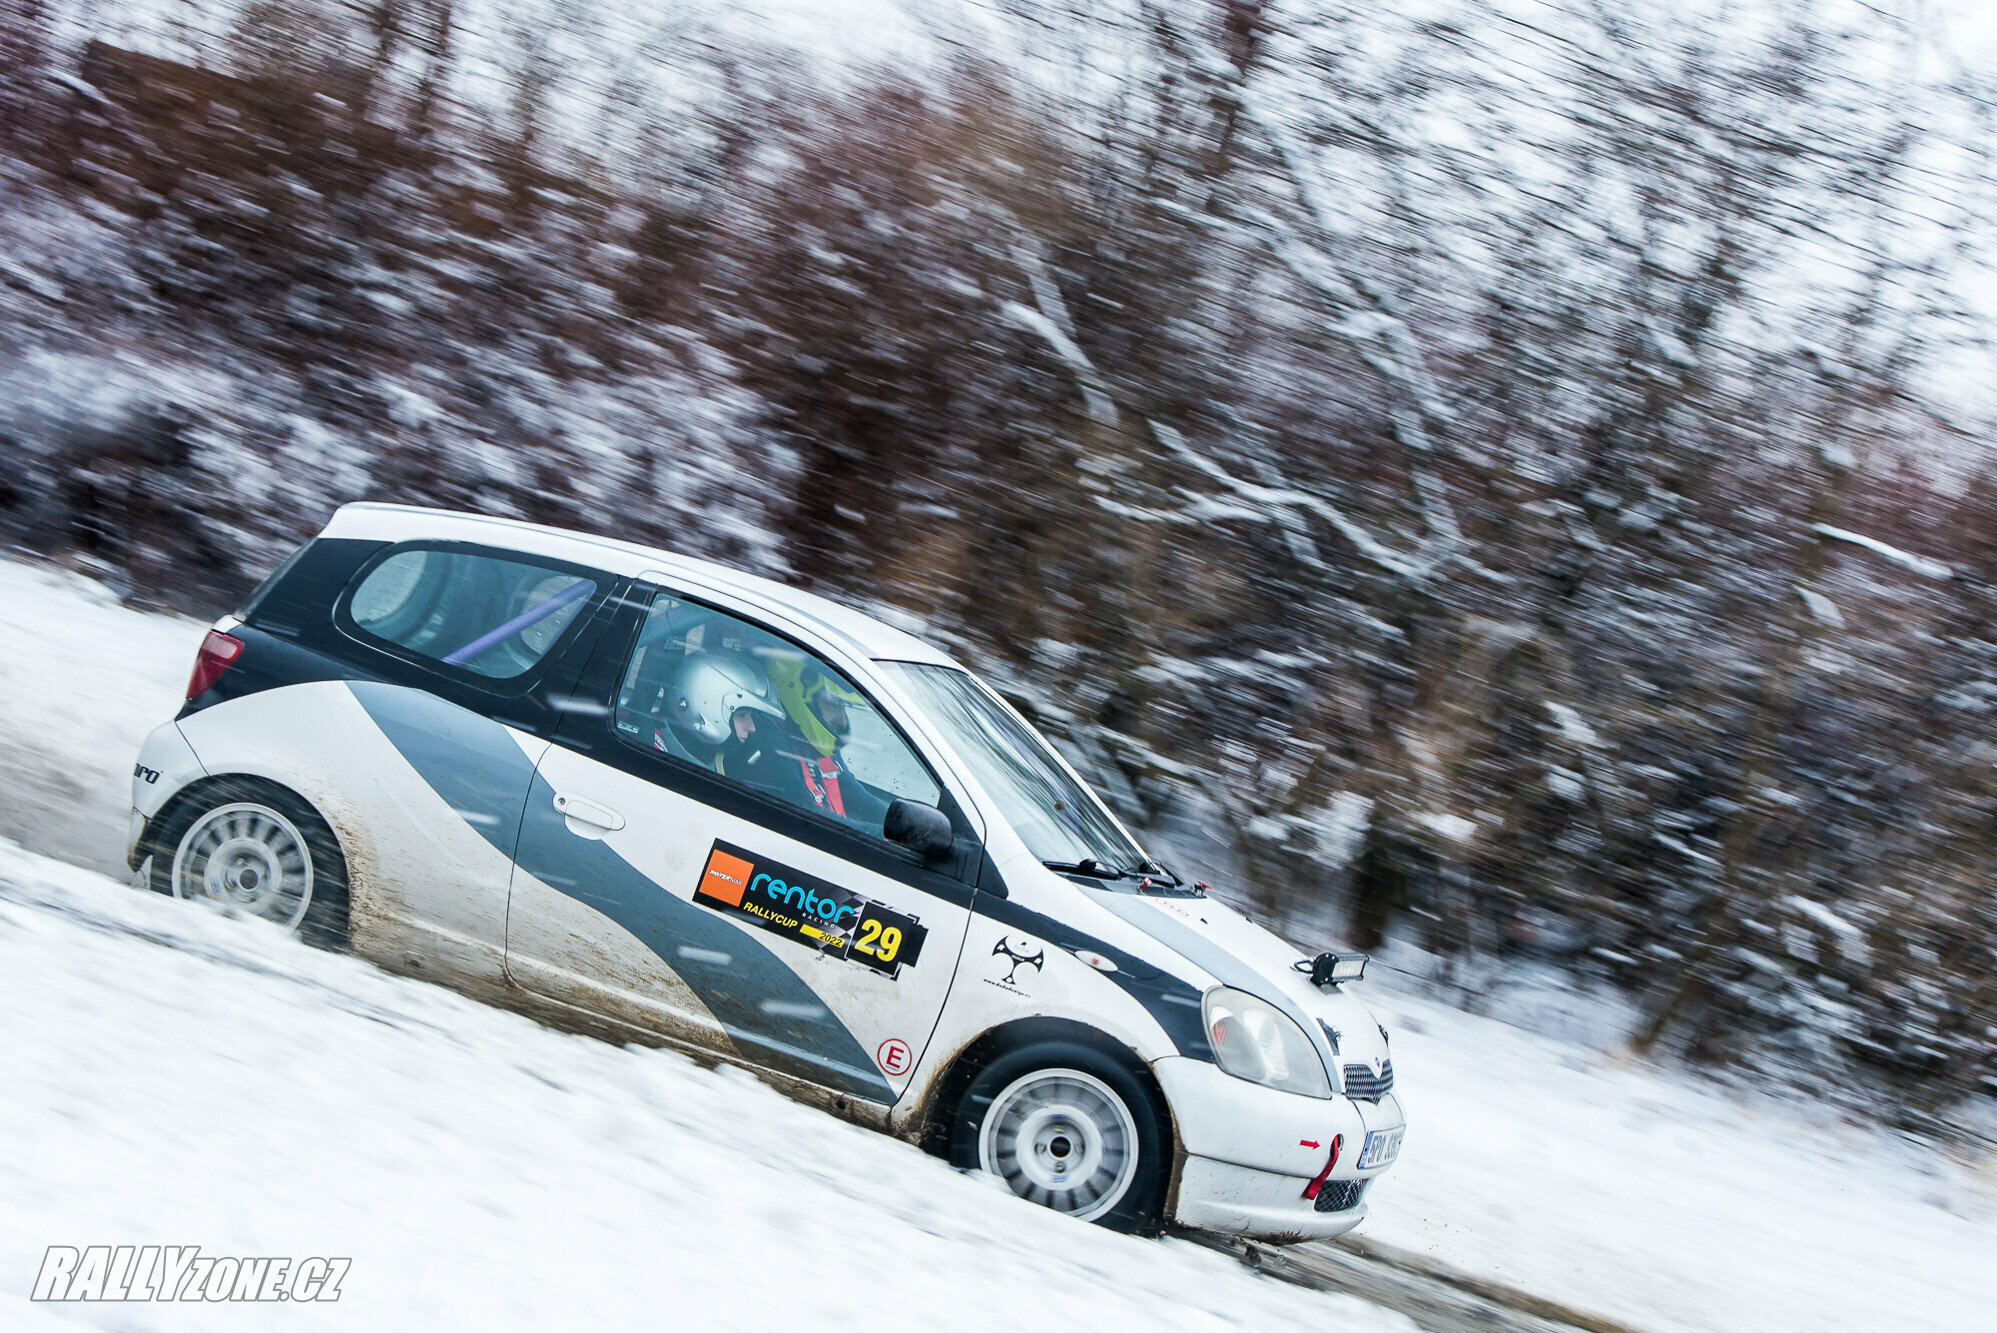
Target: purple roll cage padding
(533, 615)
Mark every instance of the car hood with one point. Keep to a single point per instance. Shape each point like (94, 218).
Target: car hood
(1236, 952)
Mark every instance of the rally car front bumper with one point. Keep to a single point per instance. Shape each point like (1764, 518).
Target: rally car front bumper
(1252, 1155)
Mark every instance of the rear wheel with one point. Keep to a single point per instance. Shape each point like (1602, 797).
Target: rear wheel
(253, 848)
(1070, 1128)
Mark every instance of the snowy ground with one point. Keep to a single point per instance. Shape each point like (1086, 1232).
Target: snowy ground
(178, 1078)
(1666, 1203)
(82, 680)
(167, 1077)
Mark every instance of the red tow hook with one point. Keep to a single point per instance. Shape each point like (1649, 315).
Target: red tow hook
(1317, 1182)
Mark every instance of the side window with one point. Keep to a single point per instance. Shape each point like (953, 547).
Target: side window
(494, 616)
(721, 693)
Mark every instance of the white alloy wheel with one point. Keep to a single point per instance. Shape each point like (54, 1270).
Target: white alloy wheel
(1061, 1138)
(249, 857)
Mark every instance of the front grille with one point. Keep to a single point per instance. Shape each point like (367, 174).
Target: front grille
(1363, 1085)
(1335, 1196)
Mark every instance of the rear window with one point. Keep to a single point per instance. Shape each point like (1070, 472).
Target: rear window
(492, 615)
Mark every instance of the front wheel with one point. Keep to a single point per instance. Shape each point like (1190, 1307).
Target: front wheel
(1069, 1128)
(256, 849)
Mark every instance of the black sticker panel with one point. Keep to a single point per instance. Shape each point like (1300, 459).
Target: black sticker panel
(803, 907)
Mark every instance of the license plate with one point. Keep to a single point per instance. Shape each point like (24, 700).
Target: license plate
(1382, 1147)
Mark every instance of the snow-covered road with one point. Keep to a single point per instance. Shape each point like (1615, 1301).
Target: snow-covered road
(174, 1077)
(170, 1077)
(82, 680)
(1666, 1203)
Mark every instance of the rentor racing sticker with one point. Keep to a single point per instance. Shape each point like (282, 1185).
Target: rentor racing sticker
(805, 908)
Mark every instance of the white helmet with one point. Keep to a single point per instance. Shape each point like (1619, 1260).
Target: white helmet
(711, 687)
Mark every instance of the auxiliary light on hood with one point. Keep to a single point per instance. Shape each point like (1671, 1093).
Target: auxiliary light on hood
(1328, 969)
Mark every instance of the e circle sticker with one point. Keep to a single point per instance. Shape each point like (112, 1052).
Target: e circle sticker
(893, 1056)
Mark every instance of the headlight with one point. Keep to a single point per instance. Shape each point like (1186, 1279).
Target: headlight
(1255, 1040)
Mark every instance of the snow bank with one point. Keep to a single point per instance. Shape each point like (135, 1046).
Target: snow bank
(1668, 1204)
(82, 680)
(176, 1077)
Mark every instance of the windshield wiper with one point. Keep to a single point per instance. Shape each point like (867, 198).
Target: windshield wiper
(1090, 868)
(1156, 878)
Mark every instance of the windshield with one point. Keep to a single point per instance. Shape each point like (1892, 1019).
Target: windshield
(1060, 820)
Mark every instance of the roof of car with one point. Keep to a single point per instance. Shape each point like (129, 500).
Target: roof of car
(865, 635)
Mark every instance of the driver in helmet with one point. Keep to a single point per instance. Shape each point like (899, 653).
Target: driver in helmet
(720, 697)
(817, 702)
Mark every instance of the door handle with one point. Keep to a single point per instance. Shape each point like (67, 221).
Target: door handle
(579, 811)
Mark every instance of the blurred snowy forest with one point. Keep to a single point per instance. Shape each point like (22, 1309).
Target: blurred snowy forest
(1512, 475)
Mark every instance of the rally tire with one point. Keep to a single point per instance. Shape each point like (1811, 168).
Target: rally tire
(1070, 1127)
(255, 849)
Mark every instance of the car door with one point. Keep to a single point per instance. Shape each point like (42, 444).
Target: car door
(735, 890)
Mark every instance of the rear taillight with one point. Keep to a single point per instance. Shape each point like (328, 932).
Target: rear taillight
(218, 653)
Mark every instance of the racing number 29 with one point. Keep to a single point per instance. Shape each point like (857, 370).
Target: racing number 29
(887, 941)
(878, 941)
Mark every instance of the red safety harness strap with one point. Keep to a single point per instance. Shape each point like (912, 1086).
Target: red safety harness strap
(822, 781)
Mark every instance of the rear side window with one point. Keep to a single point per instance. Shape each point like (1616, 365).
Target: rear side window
(492, 615)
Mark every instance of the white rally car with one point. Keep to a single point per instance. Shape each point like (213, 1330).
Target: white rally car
(658, 799)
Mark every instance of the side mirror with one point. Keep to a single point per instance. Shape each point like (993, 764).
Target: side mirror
(923, 829)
